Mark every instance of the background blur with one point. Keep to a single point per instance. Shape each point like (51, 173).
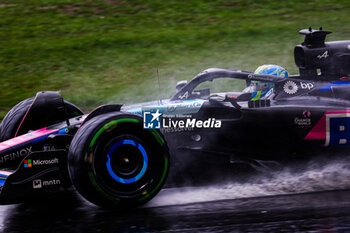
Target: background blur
(101, 51)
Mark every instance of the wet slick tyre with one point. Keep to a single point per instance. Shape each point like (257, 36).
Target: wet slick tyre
(14, 117)
(113, 162)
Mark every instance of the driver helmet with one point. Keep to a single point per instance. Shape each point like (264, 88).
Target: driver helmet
(261, 89)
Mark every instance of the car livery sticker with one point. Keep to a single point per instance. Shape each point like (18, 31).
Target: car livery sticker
(179, 107)
(26, 137)
(328, 87)
(3, 177)
(333, 127)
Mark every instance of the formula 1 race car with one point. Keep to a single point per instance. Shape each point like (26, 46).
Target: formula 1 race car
(119, 155)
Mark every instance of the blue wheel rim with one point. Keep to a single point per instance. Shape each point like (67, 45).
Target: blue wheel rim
(144, 166)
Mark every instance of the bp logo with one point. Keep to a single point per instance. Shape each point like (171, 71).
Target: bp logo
(151, 119)
(290, 87)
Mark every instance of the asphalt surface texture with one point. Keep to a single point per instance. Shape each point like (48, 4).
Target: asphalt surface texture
(309, 212)
(316, 199)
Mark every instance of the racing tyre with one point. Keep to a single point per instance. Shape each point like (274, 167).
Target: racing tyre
(13, 118)
(113, 162)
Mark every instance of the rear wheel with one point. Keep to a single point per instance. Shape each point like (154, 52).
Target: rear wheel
(114, 162)
(14, 117)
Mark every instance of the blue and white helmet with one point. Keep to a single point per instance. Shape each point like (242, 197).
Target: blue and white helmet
(262, 90)
(272, 70)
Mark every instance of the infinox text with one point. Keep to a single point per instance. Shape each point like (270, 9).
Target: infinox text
(15, 155)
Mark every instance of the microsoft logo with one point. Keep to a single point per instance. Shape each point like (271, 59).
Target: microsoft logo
(40, 162)
(28, 163)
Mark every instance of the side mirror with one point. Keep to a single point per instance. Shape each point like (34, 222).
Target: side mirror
(180, 85)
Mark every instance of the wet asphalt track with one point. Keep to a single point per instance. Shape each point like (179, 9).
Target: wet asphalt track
(315, 198)
(310, 212)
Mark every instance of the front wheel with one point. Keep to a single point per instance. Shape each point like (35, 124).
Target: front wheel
(114, 162)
